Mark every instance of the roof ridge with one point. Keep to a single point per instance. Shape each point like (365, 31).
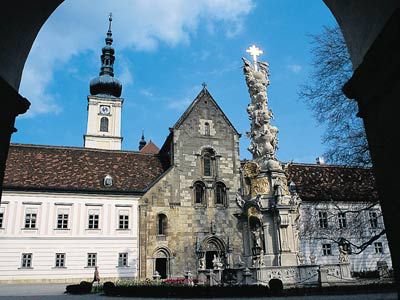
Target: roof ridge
(57, 147)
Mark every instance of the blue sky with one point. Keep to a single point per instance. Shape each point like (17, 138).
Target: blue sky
(165, 49)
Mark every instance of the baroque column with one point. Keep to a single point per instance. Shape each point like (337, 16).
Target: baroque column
(268, 203)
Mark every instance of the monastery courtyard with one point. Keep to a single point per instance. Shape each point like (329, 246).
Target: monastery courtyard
(56, 291)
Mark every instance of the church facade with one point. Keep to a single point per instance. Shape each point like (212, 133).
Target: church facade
(192, 208)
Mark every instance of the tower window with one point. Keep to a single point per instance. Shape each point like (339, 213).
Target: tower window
(220, 193)
(104, 124)
(199, 189)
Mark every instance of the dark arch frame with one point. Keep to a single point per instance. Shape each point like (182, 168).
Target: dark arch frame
(199, 192)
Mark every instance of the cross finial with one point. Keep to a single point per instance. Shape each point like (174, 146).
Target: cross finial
(110, 20)
(254, 51)
(204, 85)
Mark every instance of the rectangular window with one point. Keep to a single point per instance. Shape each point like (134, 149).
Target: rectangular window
(91, 259)
(373, 219)
(60, 260)
(207, 165)
(26, 261)
(1, 219)
(93, 220)
(123, 259)
(123, 221)
(323, 219)
(62, 221)
(326, 249)
(342, 220)
(30, 220)
(378, 248)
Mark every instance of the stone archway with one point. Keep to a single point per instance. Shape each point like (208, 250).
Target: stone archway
(162, 262)
(212, 251)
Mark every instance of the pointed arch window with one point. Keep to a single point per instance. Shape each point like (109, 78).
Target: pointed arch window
(104, 124)
(162, 224)
(220, 193)
(199, 192)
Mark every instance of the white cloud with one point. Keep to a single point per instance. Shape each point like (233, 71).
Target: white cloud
(179, 105)
(80, 25)
(295, 68)
(146, 92)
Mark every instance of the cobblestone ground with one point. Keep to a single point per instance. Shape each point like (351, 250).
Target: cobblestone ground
(56, 291)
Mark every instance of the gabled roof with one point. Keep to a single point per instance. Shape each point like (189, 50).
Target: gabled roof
(52, 168)
(328, 182)
(204, 93)
(150, 148)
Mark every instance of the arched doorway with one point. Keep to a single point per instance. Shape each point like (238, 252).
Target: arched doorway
(213, 249)
(162, 262)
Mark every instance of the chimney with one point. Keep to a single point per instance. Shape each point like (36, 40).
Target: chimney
(320, 160)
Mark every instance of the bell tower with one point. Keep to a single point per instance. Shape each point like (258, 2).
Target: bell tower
(105, 103)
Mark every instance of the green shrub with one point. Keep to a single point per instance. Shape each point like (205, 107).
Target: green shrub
(83, 288)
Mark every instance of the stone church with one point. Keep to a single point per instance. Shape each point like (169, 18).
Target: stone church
(191, 208)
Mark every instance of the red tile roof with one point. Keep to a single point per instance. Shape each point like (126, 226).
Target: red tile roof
(327, 182)
(150, 148)
(34, 167)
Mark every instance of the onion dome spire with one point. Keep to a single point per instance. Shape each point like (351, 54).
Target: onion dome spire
(142, 142)
(105, 84)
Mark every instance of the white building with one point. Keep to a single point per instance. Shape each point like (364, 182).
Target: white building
(339, 202)
(61, 236)
(65, 210)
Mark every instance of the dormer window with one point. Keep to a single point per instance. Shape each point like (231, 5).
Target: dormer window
(108, 181)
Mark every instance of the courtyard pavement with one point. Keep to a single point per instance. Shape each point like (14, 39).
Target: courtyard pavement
(56, 291)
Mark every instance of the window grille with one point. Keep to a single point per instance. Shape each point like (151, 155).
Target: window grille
(60, 260)
(62, 221)
(123, 259)
(123, 221)
(323, 219)
(30, 220)
(326, 249)
(378, 248)
(91, 259)
(373, 219)
(26, 261)
(342, 220)
(93, 221)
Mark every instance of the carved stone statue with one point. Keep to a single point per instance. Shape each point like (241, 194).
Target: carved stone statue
(263, 135)
(343, 256)
(257, 237)
(202, 263)
(239, 200)
(217, 264)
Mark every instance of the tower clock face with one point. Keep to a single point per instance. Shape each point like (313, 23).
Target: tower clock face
(104, 109)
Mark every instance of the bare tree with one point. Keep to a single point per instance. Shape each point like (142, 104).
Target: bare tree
(345, 136)
(354, 225)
